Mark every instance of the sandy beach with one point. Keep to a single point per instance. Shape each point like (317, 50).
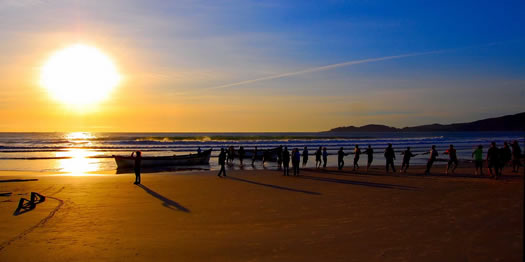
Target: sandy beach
(260, 215)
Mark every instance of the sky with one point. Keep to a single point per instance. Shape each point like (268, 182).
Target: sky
(267, 66)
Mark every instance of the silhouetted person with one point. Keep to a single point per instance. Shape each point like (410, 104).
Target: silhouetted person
(325, 157)
(370, 157)
(305, 156)
(390, 155)
(505, 156)
(286, 161)
(296, 159)
(493, 160)
(452, 159)
(432, 158)
(279, 157)
(516, 156)
(407, 155)
(478, 160)
(241, 155)
(357, 154)
(318, 155)
(231, 155)
(138, 159)
(222, 163)
(340, 158)
(199, 150)
(254, 155)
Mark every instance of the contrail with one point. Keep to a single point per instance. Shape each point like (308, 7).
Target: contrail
(322, 68)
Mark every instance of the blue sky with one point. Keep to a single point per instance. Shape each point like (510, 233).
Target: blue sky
(181, 48)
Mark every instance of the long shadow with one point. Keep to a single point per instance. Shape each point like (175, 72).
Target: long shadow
(274, 186)
(358, 183)
(165, 201)
(17, 180)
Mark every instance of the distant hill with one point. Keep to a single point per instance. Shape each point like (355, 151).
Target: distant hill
(505, 123)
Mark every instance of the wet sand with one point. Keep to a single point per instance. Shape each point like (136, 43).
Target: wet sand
(322, 215)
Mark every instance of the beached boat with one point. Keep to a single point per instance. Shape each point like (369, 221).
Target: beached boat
(202, 158)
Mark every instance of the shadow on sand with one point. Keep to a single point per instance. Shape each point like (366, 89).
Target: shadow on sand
(274, 186)
(358, 183)
(17, 180)
(165, 201)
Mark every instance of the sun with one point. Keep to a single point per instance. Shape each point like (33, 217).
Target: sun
(79, 75)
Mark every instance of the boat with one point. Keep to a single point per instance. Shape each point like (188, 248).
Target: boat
(202, 158)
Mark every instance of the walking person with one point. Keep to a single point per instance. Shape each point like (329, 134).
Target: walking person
(390, 156)
(254, 155)
(318, 155)
(357, 153)
(493, 160)
(222, 163)
(433, 155)
(241, 155)
(516, 156)
(286, 161)
(340, 158)
(505, 156)
(370, 156)
(478, 160)
(325, 157)
(138, 159)
(305, 156)
(407, 155)
(296, 159)
(452, 159)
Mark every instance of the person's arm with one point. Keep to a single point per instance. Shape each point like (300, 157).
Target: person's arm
(132, 154)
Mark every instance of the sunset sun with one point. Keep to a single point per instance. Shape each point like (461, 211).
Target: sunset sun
(79, 75)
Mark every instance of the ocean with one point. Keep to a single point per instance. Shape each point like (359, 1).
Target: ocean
(84, 153)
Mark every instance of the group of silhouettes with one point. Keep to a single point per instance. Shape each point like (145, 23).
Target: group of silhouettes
(496, 158)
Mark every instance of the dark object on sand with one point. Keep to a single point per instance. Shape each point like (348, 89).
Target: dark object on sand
(25, 205)
(155, 161)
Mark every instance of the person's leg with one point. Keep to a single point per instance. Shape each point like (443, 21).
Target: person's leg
(393, 167)
(429, 165)
(455, 166)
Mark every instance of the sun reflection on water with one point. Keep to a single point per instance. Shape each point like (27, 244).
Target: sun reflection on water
(77, 161)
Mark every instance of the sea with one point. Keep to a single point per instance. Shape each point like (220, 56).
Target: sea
(88, 153)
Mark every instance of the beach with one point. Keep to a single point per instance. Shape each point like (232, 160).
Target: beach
(260, 215)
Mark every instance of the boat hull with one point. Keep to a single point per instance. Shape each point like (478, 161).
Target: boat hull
(165, 161)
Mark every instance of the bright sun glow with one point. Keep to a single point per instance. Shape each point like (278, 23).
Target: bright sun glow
(79, 75)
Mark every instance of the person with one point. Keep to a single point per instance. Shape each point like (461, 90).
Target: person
(241, 154)
(286, 161)
(357, 153)
(407, 155)
(279, 157)
(325, 157)
(340, 158)
(199, 150)
(505, 156)
(433, 155)
(493, 160)
(305, 156)
(254, 155)
(478, 160)
(370, 155)
(516, 156)
(296, 159)
(318, 155)
(390, 155)
(222, 162)
(452, 159)
(138, 159)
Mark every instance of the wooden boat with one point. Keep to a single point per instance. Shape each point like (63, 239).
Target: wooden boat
(155, 161)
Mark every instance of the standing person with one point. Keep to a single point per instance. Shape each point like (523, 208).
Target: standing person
(452, 159)
(433, 155)
(305, 156)
(199, 150)
(407, 154)
(357, 154)
(516, 156)
(370, 155)
(493, 160)
(318, 155)
(138, 159)
(390, 156)
(325, 157)
(222, 162)
(286, 161)
(241, 154)
(280, 157)
(505, 156)
(478, 160)
(296, 159)
(254, 155)
(340, 158)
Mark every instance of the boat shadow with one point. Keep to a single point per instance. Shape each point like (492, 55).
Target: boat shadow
(273, 186)
(168, 203)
